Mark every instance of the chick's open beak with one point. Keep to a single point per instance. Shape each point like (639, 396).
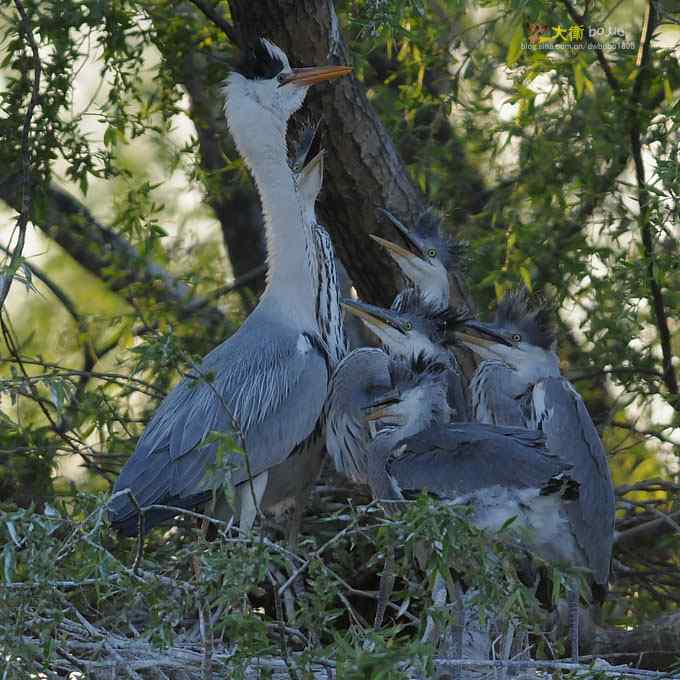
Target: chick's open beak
(481, 334)
(380, 406)
(410, 238)
(393, 248)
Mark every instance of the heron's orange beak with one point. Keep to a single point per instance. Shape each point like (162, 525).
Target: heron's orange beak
(314, 74)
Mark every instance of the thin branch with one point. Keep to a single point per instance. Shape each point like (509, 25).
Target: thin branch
(117, 378)
(654, 484)
(237, 283)
(90, 355)
(317, 553)
(654, 529)
(645, 433)
(219, 21)
(604, 670)
(51, 285)
(109, 256)
(26, 177)
(602, 60)
(617, 371)
(635, 134)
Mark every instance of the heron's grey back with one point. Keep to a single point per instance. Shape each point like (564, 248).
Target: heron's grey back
(460, 459)
(561, 414)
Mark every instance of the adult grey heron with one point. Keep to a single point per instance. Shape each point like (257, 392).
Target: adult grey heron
(519, 383)
(415, 327)
(429, 259)
(266, 384)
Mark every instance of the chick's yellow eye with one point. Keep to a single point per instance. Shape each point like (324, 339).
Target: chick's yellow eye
(432, 252)
(516, 337)
(408, 326)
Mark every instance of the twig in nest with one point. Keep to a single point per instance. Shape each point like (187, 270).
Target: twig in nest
(292, 670)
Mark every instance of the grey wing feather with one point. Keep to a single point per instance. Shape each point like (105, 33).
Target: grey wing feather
(293, 415)
(456, 396)
(273, 389)
(497, 396)
(460, 459)
(347, 435)
(561, 414)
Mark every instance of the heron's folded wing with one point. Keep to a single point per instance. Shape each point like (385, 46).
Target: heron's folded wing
(271, 383)
(464, 458)
(294, 405)
(561, 414)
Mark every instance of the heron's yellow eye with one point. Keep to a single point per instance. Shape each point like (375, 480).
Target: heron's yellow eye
(408, 326)
(516, 337)
(432, 252)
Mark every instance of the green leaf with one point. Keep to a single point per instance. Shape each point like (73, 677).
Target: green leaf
(515, 46)
(525, 275)
(508, 522)
(579, 79)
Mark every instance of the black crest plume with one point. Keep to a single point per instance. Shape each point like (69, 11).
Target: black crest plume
(406, 373)
(256, 62)
(412, 303)
(455, 317)
(535, 319)
(429, 224)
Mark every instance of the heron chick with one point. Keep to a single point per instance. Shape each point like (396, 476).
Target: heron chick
(502, 472)
(519, 383)
(427, 260)
(416, 328)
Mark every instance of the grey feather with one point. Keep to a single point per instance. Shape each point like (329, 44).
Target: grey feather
(498, 397)
(460, 459)
(358, 378)
(250, 377)
(561, 414)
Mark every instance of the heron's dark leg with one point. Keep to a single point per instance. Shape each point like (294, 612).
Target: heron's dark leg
(386, 585)
(573, 616)
(295, 519)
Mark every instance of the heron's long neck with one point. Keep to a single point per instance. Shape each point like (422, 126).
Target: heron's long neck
(290, 245)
